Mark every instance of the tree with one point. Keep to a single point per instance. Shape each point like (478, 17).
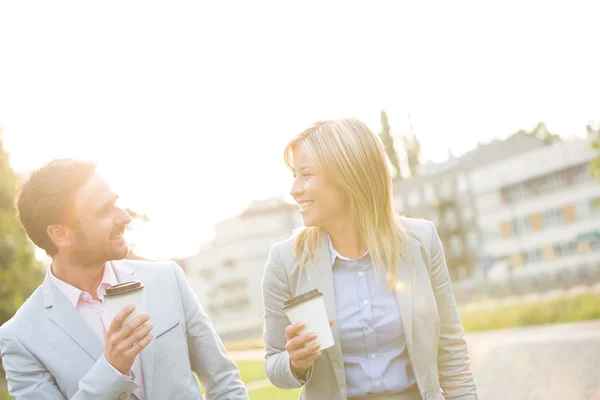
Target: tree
(593, 130)
(541, 132)
(412, 146)
(20, 272)
(388, 143)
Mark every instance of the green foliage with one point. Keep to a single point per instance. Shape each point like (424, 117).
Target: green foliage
(20, 273)
(412, 146)
(541, 132)
(388, 143)
(593, 130)
(561, 310)
(272, 392)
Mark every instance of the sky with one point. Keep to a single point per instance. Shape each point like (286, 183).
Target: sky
(186, 106)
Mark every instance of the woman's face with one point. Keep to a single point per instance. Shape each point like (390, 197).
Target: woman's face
(321, 202)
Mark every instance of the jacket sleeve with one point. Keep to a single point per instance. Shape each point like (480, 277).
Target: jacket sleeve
(454, 365)
(28, 378)
(209, 358)
(275, 289)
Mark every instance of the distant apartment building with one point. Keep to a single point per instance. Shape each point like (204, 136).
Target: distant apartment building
(226, 274)
(538, 211)
(443, 194)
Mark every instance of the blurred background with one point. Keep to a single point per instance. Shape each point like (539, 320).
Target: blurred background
(490, 115)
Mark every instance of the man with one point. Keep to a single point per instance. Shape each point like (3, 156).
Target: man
(64, 344)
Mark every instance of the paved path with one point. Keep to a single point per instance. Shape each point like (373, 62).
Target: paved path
(559, 362)
(551, 362)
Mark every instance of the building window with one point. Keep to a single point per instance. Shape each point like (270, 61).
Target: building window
(580, 173)
(450, 218)
(595, 244)
(584, 209)
(565, 249)
(516, 193)
(456, 245)
(472, 240)
(467, 213)
(554, 181)
(413, 198)
(554, 217)
(521, 225)
(429, 194)
(595, 205)
(533, 256)
(462, 183)
(446, 189)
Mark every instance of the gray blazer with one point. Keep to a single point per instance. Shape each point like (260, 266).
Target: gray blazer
(49, 352)
(432, 326)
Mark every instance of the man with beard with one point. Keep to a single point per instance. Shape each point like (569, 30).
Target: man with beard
(64, 344)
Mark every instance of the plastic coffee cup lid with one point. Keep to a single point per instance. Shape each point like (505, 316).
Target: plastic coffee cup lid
(302, 298)
(123, 288)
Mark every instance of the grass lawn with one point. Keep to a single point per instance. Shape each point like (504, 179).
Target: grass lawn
(583, 307)
(252, 370)
(270, 393)
(569, 309)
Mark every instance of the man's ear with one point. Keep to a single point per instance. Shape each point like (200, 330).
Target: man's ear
(60, 235)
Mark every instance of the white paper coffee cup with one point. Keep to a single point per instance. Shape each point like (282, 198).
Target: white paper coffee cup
(125, 293)
(309, 308)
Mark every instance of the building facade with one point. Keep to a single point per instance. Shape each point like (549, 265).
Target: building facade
(538, 211)
(443, 193)
(226, 274)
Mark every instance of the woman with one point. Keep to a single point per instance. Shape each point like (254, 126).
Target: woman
(384, 278)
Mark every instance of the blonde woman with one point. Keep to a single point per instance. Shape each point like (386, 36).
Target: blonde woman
(384, 279)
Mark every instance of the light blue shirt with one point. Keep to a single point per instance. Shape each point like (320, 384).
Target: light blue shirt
(368, 320)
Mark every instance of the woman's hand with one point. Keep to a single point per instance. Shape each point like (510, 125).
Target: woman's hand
(302, 353)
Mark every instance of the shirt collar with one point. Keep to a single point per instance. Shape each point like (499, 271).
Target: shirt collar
(73, 294)
(334, 253)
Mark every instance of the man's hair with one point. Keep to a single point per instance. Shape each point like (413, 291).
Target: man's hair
(47, 197)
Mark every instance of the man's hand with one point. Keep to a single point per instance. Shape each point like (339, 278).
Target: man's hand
(124, 342)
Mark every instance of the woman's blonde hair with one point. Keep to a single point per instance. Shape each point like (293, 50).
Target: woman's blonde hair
(353, 158)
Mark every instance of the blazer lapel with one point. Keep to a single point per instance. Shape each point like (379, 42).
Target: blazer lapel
(404, 295)
(124, 273)
(320, 276)
(66, 317)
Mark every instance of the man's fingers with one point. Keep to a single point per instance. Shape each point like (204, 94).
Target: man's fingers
(137, 336)
(139, 346)
(117, 321)
(132, 326)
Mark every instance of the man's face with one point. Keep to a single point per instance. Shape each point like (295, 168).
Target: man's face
(98, 234)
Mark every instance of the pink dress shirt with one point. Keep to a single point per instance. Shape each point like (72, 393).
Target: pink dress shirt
(97, 316)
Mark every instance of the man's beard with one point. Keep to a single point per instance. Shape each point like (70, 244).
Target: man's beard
(86, 252)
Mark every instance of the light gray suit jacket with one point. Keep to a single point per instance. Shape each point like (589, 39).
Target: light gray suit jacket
(432, 326)
(49, 351)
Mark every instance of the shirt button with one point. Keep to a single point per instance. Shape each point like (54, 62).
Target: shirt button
(123, 396)
(366, 302)
(369, 330)
(374, 356)
(377, 383)
(360, 273)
